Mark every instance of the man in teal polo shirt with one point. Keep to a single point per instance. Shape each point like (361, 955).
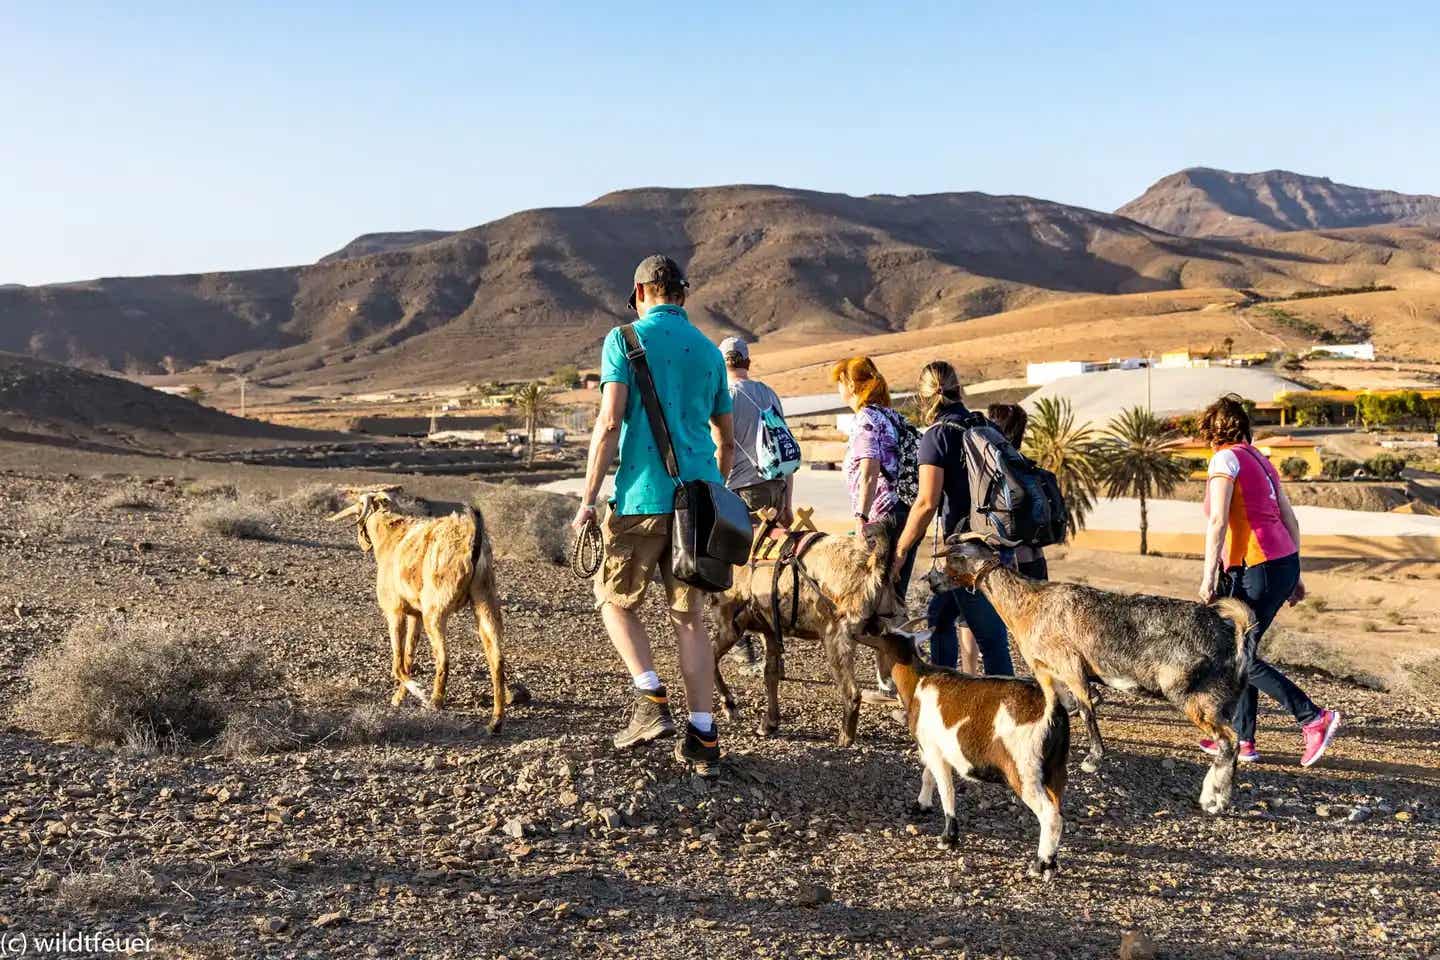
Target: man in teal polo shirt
(689, 375)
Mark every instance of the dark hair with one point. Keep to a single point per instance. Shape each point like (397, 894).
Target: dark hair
(735, 361)
(1012, 420)
(1225, 421)
(671, 290)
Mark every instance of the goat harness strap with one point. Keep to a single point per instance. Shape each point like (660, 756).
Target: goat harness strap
(791, 552)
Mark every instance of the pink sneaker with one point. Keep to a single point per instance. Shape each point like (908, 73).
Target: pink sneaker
(1318, 734)
(1246, 754)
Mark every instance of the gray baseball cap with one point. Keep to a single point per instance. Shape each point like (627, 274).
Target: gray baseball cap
(735, 345)
(656, 268)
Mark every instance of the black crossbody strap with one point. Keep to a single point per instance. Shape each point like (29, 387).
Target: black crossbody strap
(645, 383)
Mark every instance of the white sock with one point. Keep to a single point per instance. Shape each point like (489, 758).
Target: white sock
(704, 722)
(649, 680)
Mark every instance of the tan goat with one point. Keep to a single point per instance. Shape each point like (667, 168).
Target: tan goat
(833, 594)
(427, 569)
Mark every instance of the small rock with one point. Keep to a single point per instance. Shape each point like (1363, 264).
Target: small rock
(1168, 763)
(1359, 815)
(1322, 810)
(274, 924)
(1404, 816)
(330, 919)
(612, 817)
(812, 895)
(1135, 945)
(514, 827)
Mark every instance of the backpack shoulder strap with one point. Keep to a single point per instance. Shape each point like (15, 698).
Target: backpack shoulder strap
(650, 398)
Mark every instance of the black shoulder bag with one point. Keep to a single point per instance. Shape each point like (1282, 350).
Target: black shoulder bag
(710, 533)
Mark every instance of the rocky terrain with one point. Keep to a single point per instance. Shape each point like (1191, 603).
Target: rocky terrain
(1202, 202)
(441, 841)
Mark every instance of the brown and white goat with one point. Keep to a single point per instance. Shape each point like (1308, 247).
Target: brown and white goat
(1191, 654)
(425, 570)
(841, 590)
(991, 729)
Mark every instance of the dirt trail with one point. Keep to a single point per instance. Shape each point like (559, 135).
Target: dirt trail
(545, 842)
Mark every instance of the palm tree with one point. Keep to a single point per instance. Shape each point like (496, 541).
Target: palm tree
(1140, 457)
(532, 400)
(1057, 444)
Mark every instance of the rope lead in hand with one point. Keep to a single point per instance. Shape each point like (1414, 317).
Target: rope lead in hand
(588, 552)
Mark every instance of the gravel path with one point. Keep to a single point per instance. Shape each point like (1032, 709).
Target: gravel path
(544, 842)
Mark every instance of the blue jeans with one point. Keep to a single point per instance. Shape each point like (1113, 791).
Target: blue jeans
(1265, 587)
(981, 618)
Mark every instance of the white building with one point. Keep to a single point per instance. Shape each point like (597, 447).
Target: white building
(1039, 374)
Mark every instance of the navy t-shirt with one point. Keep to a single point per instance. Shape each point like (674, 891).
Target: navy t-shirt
(941, 446)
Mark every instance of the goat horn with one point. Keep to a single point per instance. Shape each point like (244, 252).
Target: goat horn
(349, 511)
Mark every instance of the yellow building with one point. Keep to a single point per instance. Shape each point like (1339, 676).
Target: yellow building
(1276, 449)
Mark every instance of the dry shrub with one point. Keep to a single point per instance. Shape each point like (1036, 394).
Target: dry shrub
(1423, 677)
(322, 498)
(208, 489)
(121, 683)
(46, 521)
(108, 888)
(524, 523)
(231, 519)
(378, 722)
(1292, 650)
(131, 499)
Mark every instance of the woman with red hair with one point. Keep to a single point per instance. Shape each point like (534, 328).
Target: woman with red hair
(872, 458)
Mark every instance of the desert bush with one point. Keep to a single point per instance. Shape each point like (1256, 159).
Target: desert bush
(108, 888)
(47, 521)
(116, 683)
(526, 524)
(1294, 468)
(130, 499)
(231, 519)
(204, 489)
(1369, 626)
(1315, 604)
(1385, 466)
(1340, 468)
(378, 722)
(322, 498)
(1395, 617)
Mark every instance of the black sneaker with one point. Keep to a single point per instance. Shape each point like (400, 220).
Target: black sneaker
(700, 750)
(649, 719)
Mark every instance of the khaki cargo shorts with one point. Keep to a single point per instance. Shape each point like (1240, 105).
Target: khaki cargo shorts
(636, 546)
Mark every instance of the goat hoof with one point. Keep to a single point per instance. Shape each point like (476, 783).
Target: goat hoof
(1090, 765)
(767, 729)
(1214, 805)
(731, 712)
(496, 727)
(1043, 869)
(398, 698)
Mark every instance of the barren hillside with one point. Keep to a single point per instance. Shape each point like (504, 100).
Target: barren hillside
(54, 404)
(1202, 202)
(528, 292)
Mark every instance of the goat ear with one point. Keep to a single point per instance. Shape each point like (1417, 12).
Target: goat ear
(349, 511)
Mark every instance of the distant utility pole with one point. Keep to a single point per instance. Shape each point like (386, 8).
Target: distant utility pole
(1149, 363)
(242, 395)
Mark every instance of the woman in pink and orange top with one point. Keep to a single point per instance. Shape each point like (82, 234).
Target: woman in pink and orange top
(1245, 499)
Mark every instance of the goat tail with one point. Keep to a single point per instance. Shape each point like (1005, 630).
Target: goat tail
(1047, 682)
(1243, 618)
(478, 544)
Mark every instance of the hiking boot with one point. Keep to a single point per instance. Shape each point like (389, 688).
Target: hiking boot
(1245, 754)
(701, 751)
(1318, 734)
(649, 719)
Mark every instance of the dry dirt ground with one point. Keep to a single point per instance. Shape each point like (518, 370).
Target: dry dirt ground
(545, 842)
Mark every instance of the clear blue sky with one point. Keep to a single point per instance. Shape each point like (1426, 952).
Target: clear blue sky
(142, 138)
